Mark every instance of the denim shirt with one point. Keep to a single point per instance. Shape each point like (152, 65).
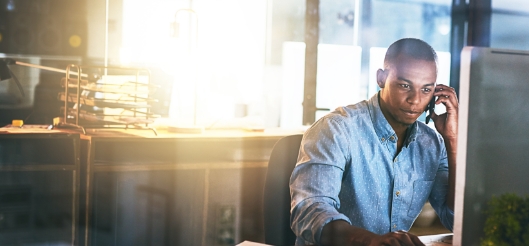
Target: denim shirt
(348, 169)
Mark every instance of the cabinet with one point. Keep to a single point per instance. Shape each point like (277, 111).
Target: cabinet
(174, 189)
(39, 188)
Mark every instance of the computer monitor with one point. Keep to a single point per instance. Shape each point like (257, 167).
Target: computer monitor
(493, 136)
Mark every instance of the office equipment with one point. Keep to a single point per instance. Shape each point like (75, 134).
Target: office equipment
(110, 97)
(277, 191)
(493, 135)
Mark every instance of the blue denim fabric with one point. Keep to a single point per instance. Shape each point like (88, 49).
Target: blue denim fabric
(348, 169)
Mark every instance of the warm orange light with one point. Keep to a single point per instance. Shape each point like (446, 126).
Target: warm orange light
(219, 52)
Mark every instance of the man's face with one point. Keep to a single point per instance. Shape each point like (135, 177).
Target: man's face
(406, 88)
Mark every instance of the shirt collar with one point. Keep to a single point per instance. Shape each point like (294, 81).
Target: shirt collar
(413, 131)
(382, 127)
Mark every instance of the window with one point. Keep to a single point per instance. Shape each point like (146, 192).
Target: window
(241, 64)
(511, 14)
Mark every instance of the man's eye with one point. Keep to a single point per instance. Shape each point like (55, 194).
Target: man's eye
(405, 86)
(426, 90)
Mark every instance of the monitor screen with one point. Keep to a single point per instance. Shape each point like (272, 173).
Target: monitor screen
(493, 143)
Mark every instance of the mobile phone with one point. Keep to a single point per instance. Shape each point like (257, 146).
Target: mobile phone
(430, 109)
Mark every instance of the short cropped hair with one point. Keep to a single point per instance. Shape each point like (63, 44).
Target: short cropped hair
(411, 47)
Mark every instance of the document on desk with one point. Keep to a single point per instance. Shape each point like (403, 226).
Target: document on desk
(437, 240)
(248, 243)
(28, 129)
(432, 240)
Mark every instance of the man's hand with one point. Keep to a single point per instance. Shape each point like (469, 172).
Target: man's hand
(446, 124)
(339, 232)
(397, 238)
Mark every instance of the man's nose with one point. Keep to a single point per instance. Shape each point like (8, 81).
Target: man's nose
(413, 97)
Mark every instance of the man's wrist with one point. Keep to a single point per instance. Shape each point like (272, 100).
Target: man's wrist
(451, 144)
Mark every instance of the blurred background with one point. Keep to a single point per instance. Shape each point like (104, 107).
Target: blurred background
(217, 64)
(235, 63)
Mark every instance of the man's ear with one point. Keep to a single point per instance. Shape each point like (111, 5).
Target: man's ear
(382, 75)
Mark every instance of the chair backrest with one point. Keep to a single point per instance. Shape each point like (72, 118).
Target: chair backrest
(277, 191)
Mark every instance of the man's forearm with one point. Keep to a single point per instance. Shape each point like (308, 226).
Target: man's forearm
(339, 232)
(451, 151)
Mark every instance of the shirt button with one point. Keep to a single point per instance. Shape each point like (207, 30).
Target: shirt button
(383, 139)
(397, 193)
(394, 225)
(392, 138)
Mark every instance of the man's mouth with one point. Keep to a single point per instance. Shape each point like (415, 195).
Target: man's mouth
(411, 112)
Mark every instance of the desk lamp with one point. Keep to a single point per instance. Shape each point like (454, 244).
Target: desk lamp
(176, 33)
(6, 73)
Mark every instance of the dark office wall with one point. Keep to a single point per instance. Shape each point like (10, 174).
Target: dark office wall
(55, 31)
(43, 27)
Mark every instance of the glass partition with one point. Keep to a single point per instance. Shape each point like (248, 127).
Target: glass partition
(511, 14)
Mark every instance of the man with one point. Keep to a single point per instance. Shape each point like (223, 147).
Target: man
(365, 171)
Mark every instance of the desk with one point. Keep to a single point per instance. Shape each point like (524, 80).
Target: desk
(39, 187)
(428, 240)
(174, 189)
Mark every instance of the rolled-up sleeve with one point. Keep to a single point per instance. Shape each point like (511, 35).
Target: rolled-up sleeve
(317, 178)
(439, 191)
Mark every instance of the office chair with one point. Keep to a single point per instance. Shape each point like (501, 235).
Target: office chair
(277, 191)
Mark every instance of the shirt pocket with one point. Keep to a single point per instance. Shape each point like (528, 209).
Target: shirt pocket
(421, 191)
